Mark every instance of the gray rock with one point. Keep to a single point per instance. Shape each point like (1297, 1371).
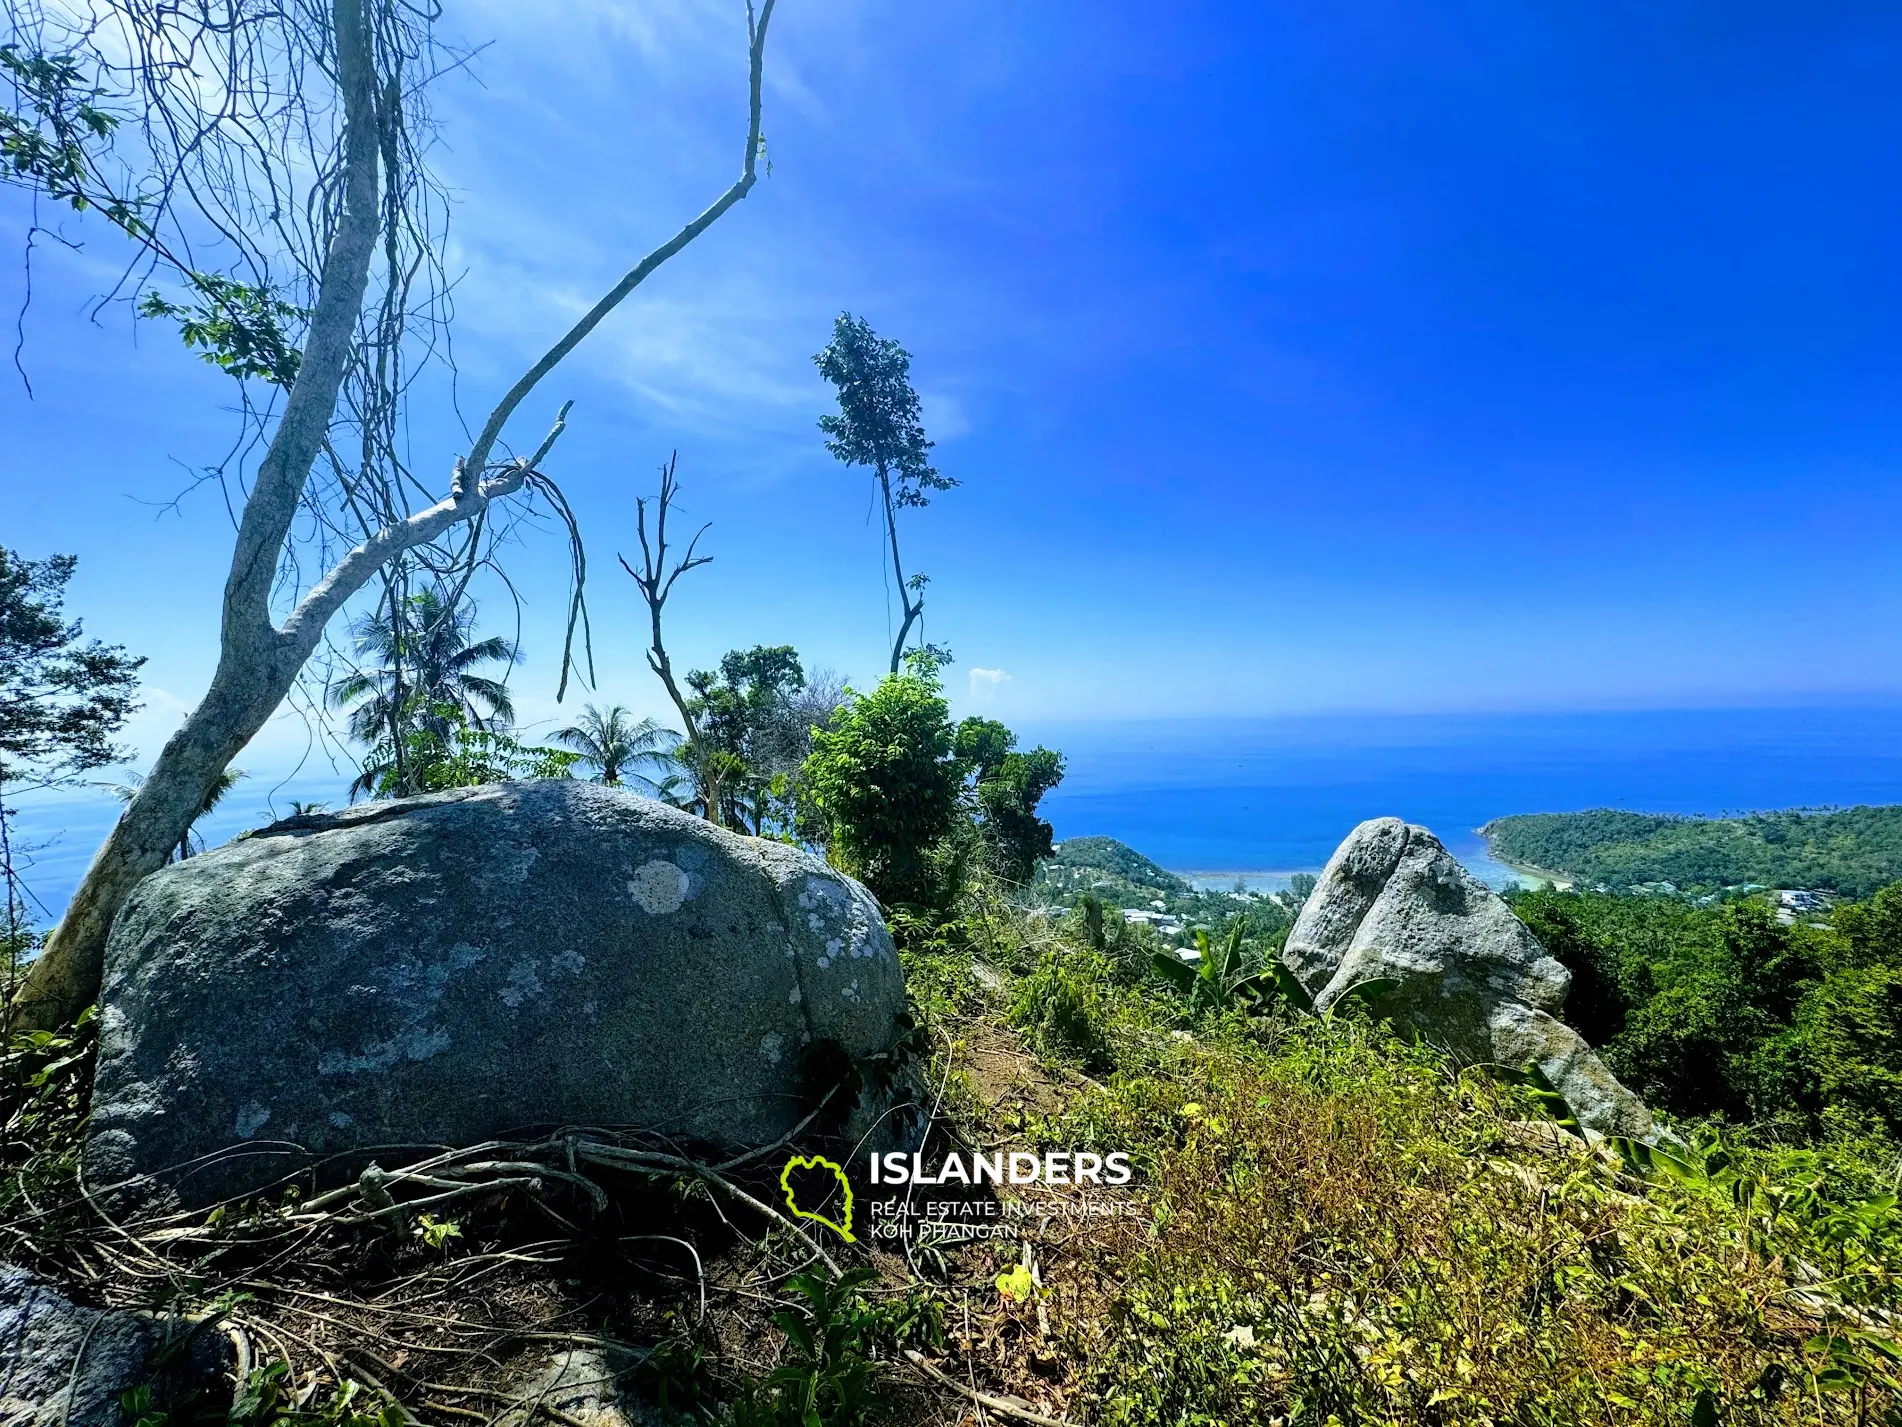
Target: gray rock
(454, 968)
(61, 1363)
(1394, 904)
(584, 1385)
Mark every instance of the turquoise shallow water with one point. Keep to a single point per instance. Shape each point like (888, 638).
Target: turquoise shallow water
(1263, 798)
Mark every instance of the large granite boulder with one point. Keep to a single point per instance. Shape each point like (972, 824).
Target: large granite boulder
(1393, 904)
(65, 1365)
(470, 965)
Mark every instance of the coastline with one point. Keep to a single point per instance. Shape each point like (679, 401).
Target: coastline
(1527, 874)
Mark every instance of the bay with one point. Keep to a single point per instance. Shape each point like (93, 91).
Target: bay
(1262, 798)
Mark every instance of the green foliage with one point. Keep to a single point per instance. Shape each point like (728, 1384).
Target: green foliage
(1851, 852)
(1723, 1011)
(827, 1378)
(1007, 787)
(755, 718)
(45, 1077)
(442, 751)
(878, 422)
(48, 145)
(61, 702)
(885, 781)
(1223, 978)
(616, 745)
(1218, 978)
(1081, 862)
(418, 652)
(266, 1398)
(239, 327)
(436, 1233)
(1117, 877)
(1062, 1008)
(1483, 1287)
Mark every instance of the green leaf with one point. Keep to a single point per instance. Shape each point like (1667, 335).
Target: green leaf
(1174, 970)
(1647, 1160)
(1366, 992)
(795, 1329)
(1555, 1105)
(1290, 986)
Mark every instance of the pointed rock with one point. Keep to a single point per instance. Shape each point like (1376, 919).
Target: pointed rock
(1393, 903)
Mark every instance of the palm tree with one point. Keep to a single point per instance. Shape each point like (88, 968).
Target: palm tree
(191, 844)
(613, 743)
(420, 657)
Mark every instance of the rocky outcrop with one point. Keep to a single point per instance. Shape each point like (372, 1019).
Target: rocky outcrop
(65, 1365)
(471, 965)
(1393, 904)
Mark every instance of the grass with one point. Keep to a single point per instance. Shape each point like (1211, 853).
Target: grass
(1338, 1227)
(1327, 1225)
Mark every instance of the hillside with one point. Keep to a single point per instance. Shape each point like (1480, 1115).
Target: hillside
(1103, 864)
(1118, 876)
(1850, 852)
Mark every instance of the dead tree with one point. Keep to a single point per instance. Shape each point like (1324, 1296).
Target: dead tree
(656, 581)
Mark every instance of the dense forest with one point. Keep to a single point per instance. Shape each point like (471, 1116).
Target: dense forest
(1851, 852)
(1725, 1012)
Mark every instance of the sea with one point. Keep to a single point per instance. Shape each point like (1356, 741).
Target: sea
(1256, 800)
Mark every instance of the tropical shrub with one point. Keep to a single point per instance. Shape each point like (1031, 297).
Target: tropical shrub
(884, 781)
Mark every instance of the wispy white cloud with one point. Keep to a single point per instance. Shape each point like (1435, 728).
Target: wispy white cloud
(944, 415)
(987, 682)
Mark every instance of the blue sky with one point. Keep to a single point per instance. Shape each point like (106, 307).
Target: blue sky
(1292, 357)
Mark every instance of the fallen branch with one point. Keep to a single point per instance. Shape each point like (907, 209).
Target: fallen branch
(982, 1399)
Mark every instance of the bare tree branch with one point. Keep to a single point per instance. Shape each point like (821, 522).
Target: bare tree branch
(485, 441)
(656, 582)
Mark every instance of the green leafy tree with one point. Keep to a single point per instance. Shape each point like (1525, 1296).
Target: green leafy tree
(615, 744)
(1722, 1011)
(740, 713)
(878, 425)
(442, 749)
(759, 709)
(1008, 787)
(885, 781)
(62, 698)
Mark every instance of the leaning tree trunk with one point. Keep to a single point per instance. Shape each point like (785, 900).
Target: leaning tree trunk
(66, 975)
(253, 672)
(259, 660)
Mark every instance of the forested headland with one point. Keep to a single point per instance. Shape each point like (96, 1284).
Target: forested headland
(1848, 851)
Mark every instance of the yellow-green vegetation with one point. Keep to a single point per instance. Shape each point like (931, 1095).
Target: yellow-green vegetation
(1337, 1225)
(1329, 1223)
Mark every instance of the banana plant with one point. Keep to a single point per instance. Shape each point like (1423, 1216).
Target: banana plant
(1217, 980)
